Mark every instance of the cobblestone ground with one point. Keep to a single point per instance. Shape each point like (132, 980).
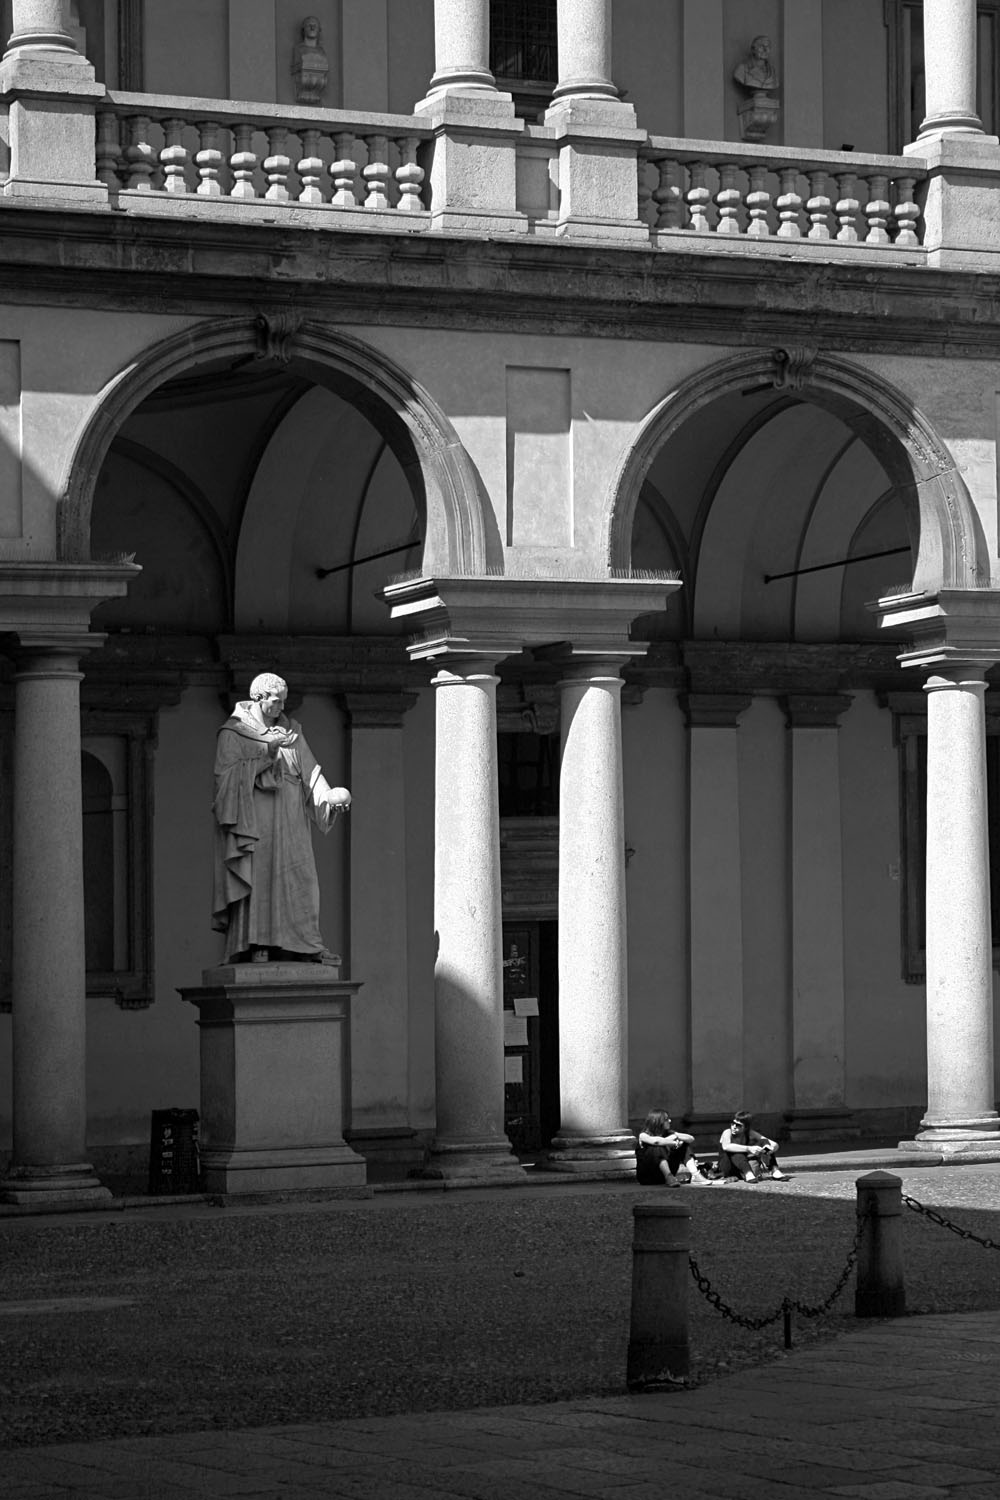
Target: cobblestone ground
(173, 1320)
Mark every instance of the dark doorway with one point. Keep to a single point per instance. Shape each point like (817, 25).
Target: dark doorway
(531, 1034)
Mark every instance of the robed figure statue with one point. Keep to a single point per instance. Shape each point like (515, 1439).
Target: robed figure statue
(269, 790)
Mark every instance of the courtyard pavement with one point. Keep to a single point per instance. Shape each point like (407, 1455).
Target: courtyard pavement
(887, 1410)
(901, 1410)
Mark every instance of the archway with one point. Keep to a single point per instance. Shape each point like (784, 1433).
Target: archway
(461, 535)
(951, 549)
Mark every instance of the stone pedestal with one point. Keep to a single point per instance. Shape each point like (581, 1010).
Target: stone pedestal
(275, 1078)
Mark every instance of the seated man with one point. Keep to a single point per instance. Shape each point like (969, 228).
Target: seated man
(746, 1154)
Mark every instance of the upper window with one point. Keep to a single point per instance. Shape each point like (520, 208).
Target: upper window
(907, 95)
(524, 57)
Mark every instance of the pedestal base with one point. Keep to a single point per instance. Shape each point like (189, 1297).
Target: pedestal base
(592, 1156)
(57, 1186)
(275, 1078)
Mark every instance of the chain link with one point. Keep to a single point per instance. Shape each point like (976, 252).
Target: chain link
(936, 1218)
(787, 1304)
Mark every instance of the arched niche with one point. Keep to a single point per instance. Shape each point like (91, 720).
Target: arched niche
(460, 532)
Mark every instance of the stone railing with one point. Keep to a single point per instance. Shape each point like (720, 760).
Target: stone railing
(737, 193)
(216, 151)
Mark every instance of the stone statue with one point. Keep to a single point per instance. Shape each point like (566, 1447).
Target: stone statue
(309, 64)
(756, 71)
(760, 110)
(268, 789)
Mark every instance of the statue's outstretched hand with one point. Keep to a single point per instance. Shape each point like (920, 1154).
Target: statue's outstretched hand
(339, 797)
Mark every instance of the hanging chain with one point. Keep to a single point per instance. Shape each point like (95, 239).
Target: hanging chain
(936, 1218)
(787, 1304)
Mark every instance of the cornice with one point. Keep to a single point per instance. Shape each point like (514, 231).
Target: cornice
(203, 268)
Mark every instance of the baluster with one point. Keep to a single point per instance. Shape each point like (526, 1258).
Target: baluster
(310, 168)
(376, 174)
(907, 212)
(698, 196)
(789, 204)
(668, 197)
(174, 157)
(818, 207)
(108, 153)
(243, 162)
(141, 155)
(758, 202)
(647, 163)
(343, 171)
(848, 206)
(209, 160)
(728, 200)
(410, 177)
(877, 210)
(277, 164)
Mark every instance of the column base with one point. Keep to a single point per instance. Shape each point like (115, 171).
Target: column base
(592, 1155)
(472, 1163)
(293, 1169)
(957, 1137)
(57, 1186)
(833, 1124)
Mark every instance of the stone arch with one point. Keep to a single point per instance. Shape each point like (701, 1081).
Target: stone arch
(461, 534)
(951, 549)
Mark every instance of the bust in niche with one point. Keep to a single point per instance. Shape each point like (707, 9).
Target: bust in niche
(756, 71)
(310, 68)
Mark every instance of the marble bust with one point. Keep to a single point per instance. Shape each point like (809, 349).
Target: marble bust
(310, 67)
(756, 72)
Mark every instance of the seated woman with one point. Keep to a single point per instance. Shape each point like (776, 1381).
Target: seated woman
(665, 1155)
(745, 1153)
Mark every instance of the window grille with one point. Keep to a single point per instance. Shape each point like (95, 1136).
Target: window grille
(523, 41)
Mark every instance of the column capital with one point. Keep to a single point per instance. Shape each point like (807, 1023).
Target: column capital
(53, 651)
(815, 710)
(947, 629)
(957, 677)
(714, 710)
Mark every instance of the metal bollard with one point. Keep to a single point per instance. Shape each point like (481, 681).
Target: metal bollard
(658, 1356)
(879, 1290)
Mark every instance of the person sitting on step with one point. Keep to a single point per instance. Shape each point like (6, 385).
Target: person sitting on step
(664, 1154)
(745, 1154)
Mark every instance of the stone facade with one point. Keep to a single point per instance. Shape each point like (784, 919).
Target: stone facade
(598, 468)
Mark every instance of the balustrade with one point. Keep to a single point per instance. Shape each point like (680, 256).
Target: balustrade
(821, 197)
(151, 146)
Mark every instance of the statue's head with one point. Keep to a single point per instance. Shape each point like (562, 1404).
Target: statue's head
(760, 48)
(311, 29)
(267, 685)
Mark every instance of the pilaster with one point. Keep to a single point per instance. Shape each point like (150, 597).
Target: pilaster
(379, 1121)
(716, 905)
(815, 884)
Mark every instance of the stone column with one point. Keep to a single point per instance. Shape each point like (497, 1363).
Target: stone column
(817, 914)
(468, 976)
(462, 47)
(596, 131)
(950, 28)
(472, 172)
(40, 26)
(380, 1054)
(716, 896)
(960, 1083)
(593, 987)
(584, 40)
(49, 977)
(53, 96)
